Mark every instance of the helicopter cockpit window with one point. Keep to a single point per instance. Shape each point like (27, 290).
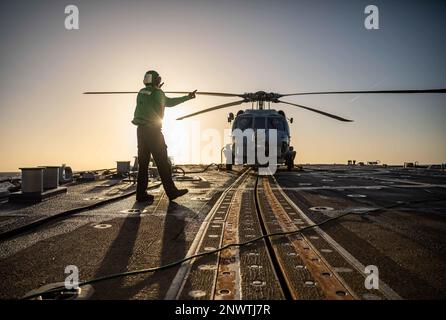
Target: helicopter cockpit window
(276, 123)
(244, 123)
(259, 123)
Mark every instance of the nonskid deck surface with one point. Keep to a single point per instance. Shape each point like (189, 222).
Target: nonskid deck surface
(14, 216)
(395, 221)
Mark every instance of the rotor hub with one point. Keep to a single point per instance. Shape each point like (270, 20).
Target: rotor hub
(261, 96)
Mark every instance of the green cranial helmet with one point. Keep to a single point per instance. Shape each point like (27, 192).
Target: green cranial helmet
(150, 77)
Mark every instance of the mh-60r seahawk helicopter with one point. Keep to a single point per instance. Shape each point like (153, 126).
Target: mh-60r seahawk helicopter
(261, 116)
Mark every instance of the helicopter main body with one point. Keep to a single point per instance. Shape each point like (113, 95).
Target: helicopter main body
(250, 122)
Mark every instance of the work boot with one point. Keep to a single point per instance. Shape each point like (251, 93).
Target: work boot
(177, 193)
(145, 198)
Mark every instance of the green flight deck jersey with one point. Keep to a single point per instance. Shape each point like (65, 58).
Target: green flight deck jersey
(150, 104)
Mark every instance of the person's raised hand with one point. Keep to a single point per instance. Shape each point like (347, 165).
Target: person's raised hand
(192, 95)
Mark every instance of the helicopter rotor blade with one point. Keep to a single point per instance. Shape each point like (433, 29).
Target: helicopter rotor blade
(218, 94)
(226, 105)
(110, 92)
(365, 92)
(317, 111)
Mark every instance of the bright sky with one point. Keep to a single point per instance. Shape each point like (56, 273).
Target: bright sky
(238, 46)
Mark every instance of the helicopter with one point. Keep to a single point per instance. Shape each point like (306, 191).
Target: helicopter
(262, 117)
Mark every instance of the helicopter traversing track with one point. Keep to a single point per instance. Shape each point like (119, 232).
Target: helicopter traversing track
(262, 117)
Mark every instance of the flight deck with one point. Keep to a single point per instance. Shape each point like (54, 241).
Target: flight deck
(312, 233)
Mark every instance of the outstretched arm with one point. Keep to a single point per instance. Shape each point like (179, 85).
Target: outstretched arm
(171, 102)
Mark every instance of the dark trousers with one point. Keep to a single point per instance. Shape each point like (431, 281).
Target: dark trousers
(151, 142)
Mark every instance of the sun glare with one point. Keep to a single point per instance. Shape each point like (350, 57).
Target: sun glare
(177, 136)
